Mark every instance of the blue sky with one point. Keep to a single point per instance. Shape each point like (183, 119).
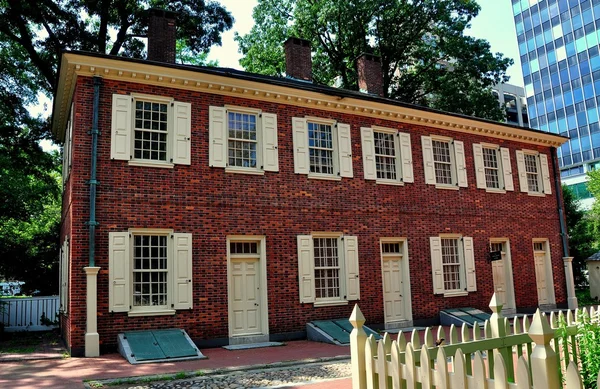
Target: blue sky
(494, 23)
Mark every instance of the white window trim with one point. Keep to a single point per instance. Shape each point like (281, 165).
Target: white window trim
(501, 182)
(399, 170)
(67, 147)
(406, 286)
(336, 149)
(170, 116)
(462, 264)
(453, 172)
(545, 181)
(258, 170)
(539, 172)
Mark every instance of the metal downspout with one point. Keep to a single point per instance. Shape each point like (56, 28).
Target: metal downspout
(561, 212)
(93, 183)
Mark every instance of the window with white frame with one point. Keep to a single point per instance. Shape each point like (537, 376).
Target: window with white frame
(534, 172)
(243, 140)
(322, 148)
(328, 268)
(444, 162)
(64, 276)
(493, 170)
(453, 265)
(67, 148)
(387, 155)
(150, 272)
(150, 130)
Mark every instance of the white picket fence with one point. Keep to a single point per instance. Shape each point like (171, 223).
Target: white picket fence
(25, 314)
(524, 356)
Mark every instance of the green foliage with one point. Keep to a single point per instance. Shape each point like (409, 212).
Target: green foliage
(426, 58)
(584, 298)
(588, 339)
(582, 241)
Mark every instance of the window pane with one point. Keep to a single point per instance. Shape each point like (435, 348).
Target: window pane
(320, 144)
(150, 133)
(532, 172)
(442, 162)
(490, 163)
(385, 155)
(149, 270)
(451, 264)
(242, 141)
(327, 268)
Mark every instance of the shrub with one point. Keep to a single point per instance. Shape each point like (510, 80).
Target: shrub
(588, 340)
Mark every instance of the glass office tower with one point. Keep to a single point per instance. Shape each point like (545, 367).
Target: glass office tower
(558, 44)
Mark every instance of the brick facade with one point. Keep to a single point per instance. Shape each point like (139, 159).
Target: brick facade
(212, 204)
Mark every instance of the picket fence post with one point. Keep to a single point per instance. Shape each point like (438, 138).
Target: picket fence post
(544, 361)
(358, 338)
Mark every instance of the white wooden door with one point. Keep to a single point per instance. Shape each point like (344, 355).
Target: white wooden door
(393, 296)
(245, 297)
(540, 277)
(499, 275)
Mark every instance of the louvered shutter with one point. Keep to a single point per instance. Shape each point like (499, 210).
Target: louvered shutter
(437, 270)
(507, 169)
(522, 172)
(406, 157)
(368, 152)
(300, 133)
(428, 160)
(306, 269)
(64, 277)
(479, 166)
(269, 140)
(119, 272)
(182, 133)
(345, 150)
(182, 271)
(120, 134)
(217, 137)
(352, 269)
(545, 174)
(470, 264)
(461, 167)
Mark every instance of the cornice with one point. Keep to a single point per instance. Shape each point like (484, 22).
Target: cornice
(74, 65)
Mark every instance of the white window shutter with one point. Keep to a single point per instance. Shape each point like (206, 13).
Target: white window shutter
(345, 150)
(182, 133)
(469, 264)
(306, 269)
(269, 140)
(120, 134)
(507, 169)
(368, 152)
(479, 166)
(301, 158)
(406, 157)
(428, 160)
(352, 269)
(437, 270)
(182, 271)
(461, 166)
(64, 276)
(217, 137)
(522, 172)
(119, 273)
(545, 174)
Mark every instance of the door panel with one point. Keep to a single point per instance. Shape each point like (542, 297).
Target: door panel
(245, 297)
(393, 298)
(499, 275)
(540, 277)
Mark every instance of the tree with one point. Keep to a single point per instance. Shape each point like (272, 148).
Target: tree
(426, 58)
(582, 243)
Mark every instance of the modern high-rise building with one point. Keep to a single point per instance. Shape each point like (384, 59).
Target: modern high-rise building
(512, 99)
(558, 45)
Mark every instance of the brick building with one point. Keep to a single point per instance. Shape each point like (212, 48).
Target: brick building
(238, 206)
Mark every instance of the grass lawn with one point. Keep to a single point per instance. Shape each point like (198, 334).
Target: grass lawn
(27, 342)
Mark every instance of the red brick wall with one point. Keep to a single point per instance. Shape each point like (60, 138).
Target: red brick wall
(213, 204)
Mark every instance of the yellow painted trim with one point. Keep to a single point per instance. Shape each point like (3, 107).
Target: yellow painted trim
(74, 65)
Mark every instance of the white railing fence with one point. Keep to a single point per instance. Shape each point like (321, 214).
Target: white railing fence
(25, 314)
(504, 354)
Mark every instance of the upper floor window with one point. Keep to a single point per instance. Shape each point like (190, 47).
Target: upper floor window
(243, 140)
(444, 162)
(453, 265)
(534, 172)
(387, 155)
(150, 130)
(493, 170)
(322, 148)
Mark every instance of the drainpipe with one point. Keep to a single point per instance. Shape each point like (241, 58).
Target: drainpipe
(567, 260)
(92, 339)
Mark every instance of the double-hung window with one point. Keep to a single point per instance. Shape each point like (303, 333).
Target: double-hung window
(150, 271)
(243, 140)
(444, 162)
(64, 276)
(453, 265)
(150, 130)
(493, 170)
(534, 172)
(387, 155)
(322, 148)
(328, 268)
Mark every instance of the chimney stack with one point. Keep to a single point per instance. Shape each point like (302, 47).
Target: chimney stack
(370, 75)
(298, 61)
(162, 35)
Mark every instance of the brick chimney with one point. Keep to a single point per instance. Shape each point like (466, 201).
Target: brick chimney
(298, 61)
(370, 75)
(161, 35)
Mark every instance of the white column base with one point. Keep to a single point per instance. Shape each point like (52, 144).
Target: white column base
(92, 345)
(572, 303)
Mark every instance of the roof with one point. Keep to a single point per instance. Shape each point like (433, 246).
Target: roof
(594, 257)
(257, 86)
